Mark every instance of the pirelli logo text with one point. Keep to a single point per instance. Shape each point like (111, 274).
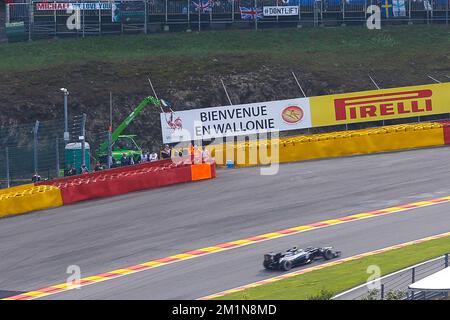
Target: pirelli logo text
(384, 104)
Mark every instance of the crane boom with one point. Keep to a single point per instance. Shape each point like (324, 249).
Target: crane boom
(117, 132)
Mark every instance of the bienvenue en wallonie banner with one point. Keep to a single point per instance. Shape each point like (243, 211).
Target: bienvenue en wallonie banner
(263, 117)
(243, 119)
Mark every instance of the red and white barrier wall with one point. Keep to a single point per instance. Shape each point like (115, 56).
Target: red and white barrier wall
(101, 184)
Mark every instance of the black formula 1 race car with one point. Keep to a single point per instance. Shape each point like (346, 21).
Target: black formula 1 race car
(295, 257)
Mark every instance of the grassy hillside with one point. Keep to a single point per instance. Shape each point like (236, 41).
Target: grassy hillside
(325, 47)
(186, 69)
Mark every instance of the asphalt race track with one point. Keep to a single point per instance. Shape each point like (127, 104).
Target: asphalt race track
(107, 234)
(226, 270)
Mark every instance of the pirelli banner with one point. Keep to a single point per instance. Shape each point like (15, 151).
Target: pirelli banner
(282, 115)
(380, 104)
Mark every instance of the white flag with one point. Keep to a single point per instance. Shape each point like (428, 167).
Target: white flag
(427, 5)
(398, 8)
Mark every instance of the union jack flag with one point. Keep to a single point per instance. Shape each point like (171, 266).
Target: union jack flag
(250, 13)
(202, 6)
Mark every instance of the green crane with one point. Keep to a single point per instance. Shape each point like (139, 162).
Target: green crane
(125, 143)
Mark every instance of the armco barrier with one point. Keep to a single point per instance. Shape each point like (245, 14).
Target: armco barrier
(390, 138)
(30, 198)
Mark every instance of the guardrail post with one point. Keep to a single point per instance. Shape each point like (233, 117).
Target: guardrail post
(8, 179)
(382, 291)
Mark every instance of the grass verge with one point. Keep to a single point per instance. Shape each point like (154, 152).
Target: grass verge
(344, 276)
(333, 46)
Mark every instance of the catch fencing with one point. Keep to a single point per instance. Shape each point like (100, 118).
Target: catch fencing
(395, 285)
(57, 18)
(35, 148)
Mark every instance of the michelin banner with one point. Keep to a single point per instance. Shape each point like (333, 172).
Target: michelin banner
(243, 119)
(282, 115)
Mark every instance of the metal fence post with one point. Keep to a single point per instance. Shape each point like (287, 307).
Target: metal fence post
(121, 22)
(55, 21)
(99, 21)
(83, 23)
(256, 17)
(446, 13)
(30, 19)
(7, 16)
(146, 17)
(166, 13)
(232, 10)
(8, 178)
(110, 162)
(57, 157)
(189, 13)
(35, 145)
(66, 121)
(446, 265)
(199, 19)
(409, 12)
(413, 279)
(83, 140)
(382, 291)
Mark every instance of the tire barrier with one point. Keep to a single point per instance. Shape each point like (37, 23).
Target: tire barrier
(335, 144)
(29, 198)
